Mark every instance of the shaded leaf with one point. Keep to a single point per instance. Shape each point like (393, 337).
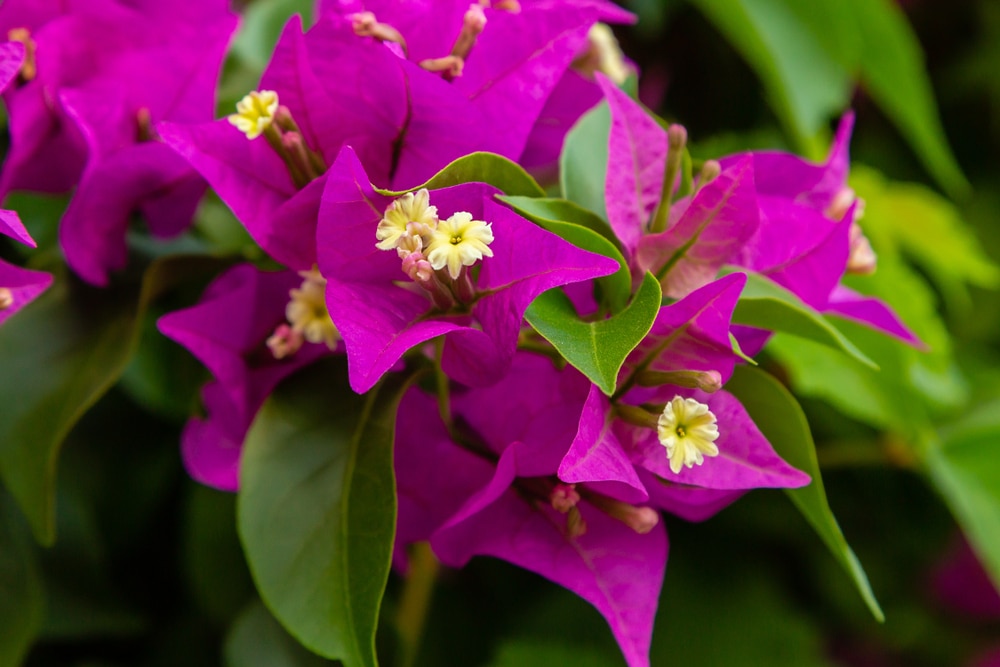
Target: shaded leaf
(767, 305)
(23, 600)
(965, 468)
(781, 420)
(545, 208)
(59, 355)
(583, 163)
(894, 74)
(805, 84)
(598, 349)
(257, 640)
(317, 510)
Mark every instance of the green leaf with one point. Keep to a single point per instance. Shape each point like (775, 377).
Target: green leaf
(804, 83)
(22, 601)
(481, 167)
(257, 640)
(965, 468)
(563, 210)
(781, 420)
(553, 214)
(598, 349)
(583, 163)
(317, 510)
(894, 74)
(59, 355)
(767, 305)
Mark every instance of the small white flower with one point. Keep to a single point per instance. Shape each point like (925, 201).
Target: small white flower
(307, 313)
(407, 217)
(255, 112)
(459, 241)
(688, 430)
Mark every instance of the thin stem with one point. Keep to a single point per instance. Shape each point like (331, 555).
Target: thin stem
(415, 602)
(441, 382)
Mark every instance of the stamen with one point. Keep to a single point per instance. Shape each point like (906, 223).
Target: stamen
(6, 298)
(688, 430)
(29, 68)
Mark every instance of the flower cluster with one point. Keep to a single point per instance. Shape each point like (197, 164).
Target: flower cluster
(338, 167)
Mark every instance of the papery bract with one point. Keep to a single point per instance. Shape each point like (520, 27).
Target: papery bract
(628, 460)
(226, 331)
(484, 505)
(104, 74)
(380, 319)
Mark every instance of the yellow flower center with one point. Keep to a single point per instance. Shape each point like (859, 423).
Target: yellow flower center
(688, 430)
(255, 112)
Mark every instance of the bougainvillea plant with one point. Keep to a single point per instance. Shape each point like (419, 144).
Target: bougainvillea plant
(443, 285)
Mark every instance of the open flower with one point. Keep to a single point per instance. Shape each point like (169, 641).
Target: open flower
(504, 500)
(231, 330)
(479, 309)
(650, 442)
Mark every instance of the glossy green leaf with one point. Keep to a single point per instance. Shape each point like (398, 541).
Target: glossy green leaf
(598, 349)
(59, 355)
(767, 305)
(22, 598)
(546, 208)
(509, 177)
(781, 420)
(965, 468)
(805, 84)
(561, 218)
(317, 510)
(583, 163)
(257, 640)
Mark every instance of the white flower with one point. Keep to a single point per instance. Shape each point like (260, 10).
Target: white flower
(688, 430)
(459, 241)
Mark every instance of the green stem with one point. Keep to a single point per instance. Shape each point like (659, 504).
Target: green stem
(415, 601)
(441, 382)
